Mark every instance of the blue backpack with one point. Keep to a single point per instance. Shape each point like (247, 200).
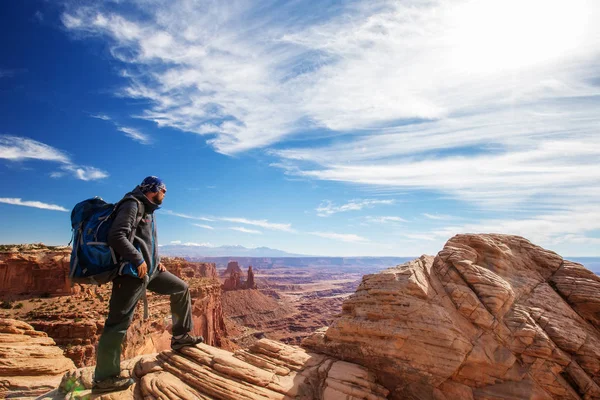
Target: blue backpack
(93, 261)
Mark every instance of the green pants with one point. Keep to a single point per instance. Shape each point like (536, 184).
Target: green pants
(127, 291)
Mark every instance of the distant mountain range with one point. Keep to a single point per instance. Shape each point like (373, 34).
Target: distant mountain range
(195, 251)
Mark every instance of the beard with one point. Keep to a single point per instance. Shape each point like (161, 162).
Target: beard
(157, 200)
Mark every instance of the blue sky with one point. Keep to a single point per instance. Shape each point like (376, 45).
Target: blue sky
(349, 129)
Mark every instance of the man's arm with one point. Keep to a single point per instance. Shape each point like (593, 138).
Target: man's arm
(118, 236)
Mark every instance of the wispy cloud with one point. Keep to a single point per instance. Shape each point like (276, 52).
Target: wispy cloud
(14, 148)
(384, 220)
(344, 237)
(261, 223)
(186, 216)
(438, 217)
(204, 226)
(435, 96)
(245, 230)
(327, 208)
(551, 228)
(420, 236)
(85, 173)
(130, 132)
(34, 204)
(135, 134)
(103, 117)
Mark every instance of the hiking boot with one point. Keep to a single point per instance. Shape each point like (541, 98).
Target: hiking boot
(186, 340)
(112, 384)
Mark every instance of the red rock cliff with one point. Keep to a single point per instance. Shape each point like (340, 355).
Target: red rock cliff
(75, 320)
(34, 270)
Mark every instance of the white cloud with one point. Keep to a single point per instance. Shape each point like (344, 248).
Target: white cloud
(327, 208)
(576, 225)
(204, 226)
(14, 148)
(103, 117)
(245, 230)
(34, 204)
(344, 237)
(83, 172)
(175, 242)
(186, 216)
(135, 134)
(438, 217)
(384, 220)
(262, 223)
(420, 236)
(418, 96)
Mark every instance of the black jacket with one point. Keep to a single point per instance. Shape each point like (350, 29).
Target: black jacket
(145, 244)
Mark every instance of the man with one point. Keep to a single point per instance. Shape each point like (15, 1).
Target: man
(141, 270)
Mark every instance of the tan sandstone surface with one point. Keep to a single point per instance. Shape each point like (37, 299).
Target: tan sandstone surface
(30, 362)
(268, 370)
(490, 317)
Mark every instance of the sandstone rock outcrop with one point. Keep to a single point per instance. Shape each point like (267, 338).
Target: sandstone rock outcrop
(491, 317)
(268, 370)
(185, 269)
(75, 320)
(250, 284)
(30, 363)
(34, 271)
(233, 282)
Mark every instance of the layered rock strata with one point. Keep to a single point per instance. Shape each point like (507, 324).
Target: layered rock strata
(30, 363)
(74, 316)
(491, 317)
(34, 271)
(268, 370)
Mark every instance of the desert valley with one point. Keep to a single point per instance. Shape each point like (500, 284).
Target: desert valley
(488, 317)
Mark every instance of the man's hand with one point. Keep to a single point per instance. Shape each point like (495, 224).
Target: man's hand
(142, 270)
(161, 267)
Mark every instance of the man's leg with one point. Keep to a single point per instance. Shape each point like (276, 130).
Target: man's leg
(181, 300)
(126, 292)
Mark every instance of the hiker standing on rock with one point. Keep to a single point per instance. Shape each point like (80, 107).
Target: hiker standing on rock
(141, 269)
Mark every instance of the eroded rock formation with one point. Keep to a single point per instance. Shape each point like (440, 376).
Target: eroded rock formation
(491, 317)
(75, 320)
(185, 269)
(233, 282)
(250, 284)
(268, 370)
(30, 363)
(34, 271)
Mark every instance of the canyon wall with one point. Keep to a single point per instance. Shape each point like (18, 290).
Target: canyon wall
(74, 316)
(34, 271)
